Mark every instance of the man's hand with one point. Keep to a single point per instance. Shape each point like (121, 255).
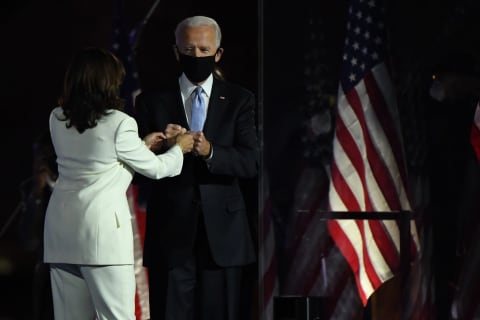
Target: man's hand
(202, 146)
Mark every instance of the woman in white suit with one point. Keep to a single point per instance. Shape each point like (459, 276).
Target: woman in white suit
(88, 234)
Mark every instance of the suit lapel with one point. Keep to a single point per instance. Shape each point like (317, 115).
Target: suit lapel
(177, 109)
(218, 98)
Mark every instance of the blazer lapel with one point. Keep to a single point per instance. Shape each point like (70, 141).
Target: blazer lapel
(177, 108)
(218, 98)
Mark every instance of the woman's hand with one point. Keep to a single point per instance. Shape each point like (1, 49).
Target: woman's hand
(172, 131)
(154, 140)
(185, 141)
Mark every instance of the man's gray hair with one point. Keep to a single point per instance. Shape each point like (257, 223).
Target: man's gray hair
(197, 21)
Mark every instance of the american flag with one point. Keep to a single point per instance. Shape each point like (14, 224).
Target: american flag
(475, 133)
(316, 268)
(368, 171)
(122, 48)
(138, 214)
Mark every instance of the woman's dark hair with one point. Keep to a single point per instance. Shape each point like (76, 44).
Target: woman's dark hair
(91, 88)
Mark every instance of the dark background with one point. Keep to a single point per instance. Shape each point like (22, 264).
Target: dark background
(38, 39)
(287, 52)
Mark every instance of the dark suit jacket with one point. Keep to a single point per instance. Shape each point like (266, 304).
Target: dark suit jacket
(174, 203)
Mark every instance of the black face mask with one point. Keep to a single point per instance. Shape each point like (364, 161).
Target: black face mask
(197, 69)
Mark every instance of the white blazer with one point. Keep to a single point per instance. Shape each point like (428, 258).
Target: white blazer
(88, 218)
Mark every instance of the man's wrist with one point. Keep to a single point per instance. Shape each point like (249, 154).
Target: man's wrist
(210, 152)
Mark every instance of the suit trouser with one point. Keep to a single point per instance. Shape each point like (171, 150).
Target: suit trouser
(185, 293)
(197, 290)
(82, 292)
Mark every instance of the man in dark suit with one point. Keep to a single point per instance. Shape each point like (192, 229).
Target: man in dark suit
(197, 234)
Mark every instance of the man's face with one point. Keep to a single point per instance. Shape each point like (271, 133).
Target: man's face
(198, 42)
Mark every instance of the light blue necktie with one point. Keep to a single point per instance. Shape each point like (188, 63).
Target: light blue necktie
(198, 111)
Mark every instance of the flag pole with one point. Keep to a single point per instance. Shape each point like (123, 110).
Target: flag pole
(142, 25)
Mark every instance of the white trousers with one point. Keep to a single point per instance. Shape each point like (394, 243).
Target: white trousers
(82, 292)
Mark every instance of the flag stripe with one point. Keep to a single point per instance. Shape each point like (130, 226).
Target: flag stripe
(382, 237)
(348, 191)
(392, 153)
(371, 255)
(337, 230)
(142, 306)
(376, 172)
(378, 89)
(368, 155)
(379, 166)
